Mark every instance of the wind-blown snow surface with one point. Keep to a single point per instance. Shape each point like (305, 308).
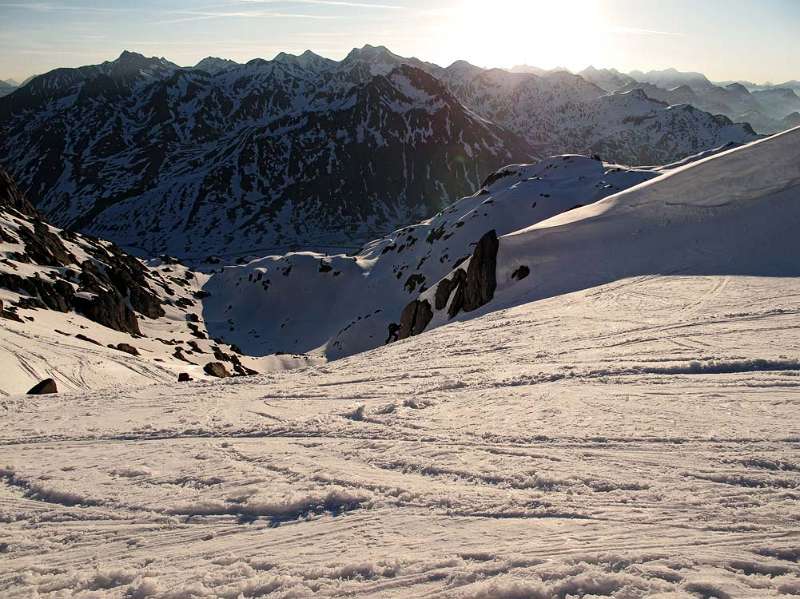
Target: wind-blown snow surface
(632, 440)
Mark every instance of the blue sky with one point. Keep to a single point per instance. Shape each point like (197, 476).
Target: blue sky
(727, 39)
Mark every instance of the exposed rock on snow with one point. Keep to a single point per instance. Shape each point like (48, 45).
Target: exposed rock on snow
(469, 290)
(216, 369)
(45, 387)
(60, 291)
(477, 288)
(415, 317)
(127, 348)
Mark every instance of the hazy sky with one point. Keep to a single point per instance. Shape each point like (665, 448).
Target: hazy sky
(726, 39)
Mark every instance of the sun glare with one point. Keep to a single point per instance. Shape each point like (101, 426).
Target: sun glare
(503, 33)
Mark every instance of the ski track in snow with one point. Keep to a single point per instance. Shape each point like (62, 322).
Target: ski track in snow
(635, 439)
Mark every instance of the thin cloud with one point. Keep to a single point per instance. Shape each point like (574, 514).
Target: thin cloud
(341, 3)
(50, 7)
(204, 16)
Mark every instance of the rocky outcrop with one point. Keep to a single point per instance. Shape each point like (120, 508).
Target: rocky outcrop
(12, 197)
(54, 295)
(480, 281)
(113, 286)
(446, 287)
(109, 309)
(463, 291)
(475, 287)
(45, 387)
(216, 369)
(127, 348)
(415, 317)
(44, 247)
(184, 377)
(520, 273)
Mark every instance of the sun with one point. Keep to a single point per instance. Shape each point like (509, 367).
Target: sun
(544, 33)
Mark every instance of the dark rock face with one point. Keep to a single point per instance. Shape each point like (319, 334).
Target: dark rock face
(443, 291)
(184, 377)
(415, 317)
(12, 197)
(46, 387)
(111, 310)
(127, 348)
(118, 282)
(448, 286)
(470, 290)
(481, 282)
(522, 272)
(216, 369)
(44, 247)
(54, 296)
(475, 288)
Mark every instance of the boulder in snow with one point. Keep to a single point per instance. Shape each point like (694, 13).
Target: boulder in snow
(216, 369)
(128, 349)
(45, 387)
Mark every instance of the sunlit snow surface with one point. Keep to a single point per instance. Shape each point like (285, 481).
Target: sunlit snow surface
(630, 440)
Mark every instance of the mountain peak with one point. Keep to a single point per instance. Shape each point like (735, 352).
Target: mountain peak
(134, 60)
(371, 53)
(306, 60)
(737, 88)
(213, 64)
(128, 56)
(463, 66)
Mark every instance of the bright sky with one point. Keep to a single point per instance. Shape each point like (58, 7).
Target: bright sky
(756, 40)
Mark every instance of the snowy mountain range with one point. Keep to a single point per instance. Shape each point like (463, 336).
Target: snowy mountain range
(558, 112)
(769, 109)
(305, 152)
(259, 156)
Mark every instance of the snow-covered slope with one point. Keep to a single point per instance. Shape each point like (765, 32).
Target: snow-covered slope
(735, 213)
(302, 302)
(638, 439)
(82, 312)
